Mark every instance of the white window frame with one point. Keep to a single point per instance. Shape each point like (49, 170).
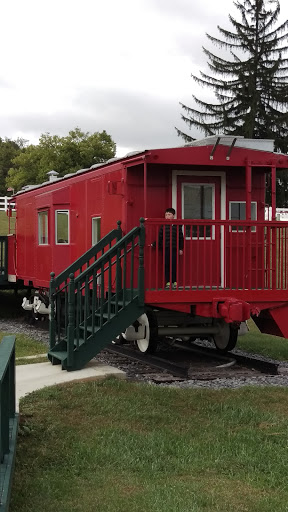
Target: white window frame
(239, 230)
(40, 225)
(56, 227)
(212, 186)
(93, 219)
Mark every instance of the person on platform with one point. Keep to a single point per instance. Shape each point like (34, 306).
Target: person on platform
(170, 238)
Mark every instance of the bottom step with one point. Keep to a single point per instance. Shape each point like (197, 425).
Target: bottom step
(57, 357)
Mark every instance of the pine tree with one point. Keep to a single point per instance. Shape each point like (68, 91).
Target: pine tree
(251, 88)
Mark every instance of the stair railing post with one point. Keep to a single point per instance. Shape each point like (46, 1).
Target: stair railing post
(71, 320)
(118, 262)
(141, 276)
(119, 230)
(52, 320)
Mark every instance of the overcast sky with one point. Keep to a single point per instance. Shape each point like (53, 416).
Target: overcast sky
(119, 65)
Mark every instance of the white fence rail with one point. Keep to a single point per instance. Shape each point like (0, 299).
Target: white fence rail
(281, 213)
(4, 203)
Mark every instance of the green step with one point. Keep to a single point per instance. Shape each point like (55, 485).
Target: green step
(89, 328)
(61, 355)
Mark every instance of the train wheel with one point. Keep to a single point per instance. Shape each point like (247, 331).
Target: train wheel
(227, 337)
(149, 343)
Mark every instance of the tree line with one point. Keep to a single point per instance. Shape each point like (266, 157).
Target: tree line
(27, 164)
(250, 85)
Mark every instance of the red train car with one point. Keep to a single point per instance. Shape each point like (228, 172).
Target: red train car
(234, 262)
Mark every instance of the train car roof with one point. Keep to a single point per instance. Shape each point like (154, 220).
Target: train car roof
(230, 141)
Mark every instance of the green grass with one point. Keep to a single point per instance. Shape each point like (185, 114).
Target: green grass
(4, 223)
(26, 346)
(117, 446)
(258, 343)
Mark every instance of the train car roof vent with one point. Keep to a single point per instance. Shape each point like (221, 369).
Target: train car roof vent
(28, 187)
(52, 175)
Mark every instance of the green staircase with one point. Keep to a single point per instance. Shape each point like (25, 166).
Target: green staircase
(97, 298)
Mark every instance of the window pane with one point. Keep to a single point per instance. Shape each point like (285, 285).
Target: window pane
(242, 211)
(234, 211)
(197, 204)
(238, 210)
(43, 228)
(192, 202)
(62, 227)
(253, 211)
(207, 203)
(96, 230)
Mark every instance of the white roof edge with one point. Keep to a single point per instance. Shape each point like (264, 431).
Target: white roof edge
(240, 142)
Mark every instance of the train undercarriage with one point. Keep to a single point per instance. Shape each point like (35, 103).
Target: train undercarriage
(156, 325)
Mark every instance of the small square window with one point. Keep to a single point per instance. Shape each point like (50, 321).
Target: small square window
(43, 227)
(96, 230)
(62, 226)
(237, 211)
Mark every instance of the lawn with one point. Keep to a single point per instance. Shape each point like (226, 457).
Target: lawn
(4, 223)
(269, 346)
(117, 446)
(25, 347)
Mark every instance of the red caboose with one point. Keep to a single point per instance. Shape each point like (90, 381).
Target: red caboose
(234, 263)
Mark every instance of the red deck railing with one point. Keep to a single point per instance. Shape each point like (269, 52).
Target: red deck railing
(217, 255)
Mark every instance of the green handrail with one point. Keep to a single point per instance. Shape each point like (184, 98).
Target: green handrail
(59, 284)
(8, 419)
(85, 258)
(85, 327)
(97, 294)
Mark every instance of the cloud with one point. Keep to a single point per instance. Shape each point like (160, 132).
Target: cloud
(133, 120)
(5, 84)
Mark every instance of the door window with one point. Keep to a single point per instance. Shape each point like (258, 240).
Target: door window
(198, 203)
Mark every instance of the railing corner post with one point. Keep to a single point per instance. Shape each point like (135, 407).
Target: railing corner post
(119, 230)
(52, 322)
(71, 320)
(141, 274)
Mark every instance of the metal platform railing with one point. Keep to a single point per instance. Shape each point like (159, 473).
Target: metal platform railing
(217, 255)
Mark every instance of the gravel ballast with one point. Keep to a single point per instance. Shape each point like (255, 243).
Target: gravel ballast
(39, 332)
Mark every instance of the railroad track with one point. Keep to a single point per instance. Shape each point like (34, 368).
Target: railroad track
(168, 365)
(188, 362)
(259, 363)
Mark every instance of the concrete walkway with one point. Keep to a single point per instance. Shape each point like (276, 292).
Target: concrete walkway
(30, 377)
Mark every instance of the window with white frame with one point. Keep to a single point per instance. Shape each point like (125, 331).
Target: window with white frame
(198, 202)
(43, 227)
(62, 226)
(96, 229)
(237, 211)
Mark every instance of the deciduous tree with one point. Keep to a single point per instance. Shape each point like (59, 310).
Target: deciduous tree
(78, 150)
(9, 149)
